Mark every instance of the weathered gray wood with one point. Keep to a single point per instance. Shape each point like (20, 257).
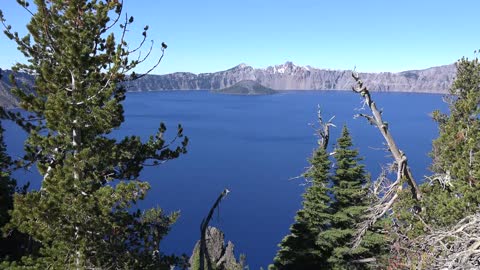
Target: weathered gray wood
(203, 254)
(404, 175)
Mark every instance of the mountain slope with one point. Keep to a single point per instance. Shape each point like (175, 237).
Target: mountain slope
(280, 77)
(7, 99)
(291, 77)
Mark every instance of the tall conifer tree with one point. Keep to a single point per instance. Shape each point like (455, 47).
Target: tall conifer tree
(456, 152)
(82, 215)
(299, 249)
(351, 199)
(324, 228)
(457, 149)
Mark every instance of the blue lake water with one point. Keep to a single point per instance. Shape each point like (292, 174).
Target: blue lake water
(254, 145)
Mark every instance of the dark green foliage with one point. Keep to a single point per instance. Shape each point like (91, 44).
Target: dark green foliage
(298, 250)
(351, 199)
(456, 152)
(457, 148)
(325, 227)
(453, 191)
(83, 214)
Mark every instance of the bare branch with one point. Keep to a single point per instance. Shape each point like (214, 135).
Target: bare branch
(398, 155)
(386, 194)
(203, 229)
(115, 21)
(457, 247)
(25, 6)
(323, 130)
(154, 66)
(445, 180)
(366, 260)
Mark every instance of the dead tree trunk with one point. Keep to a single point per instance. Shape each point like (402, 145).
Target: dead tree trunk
(323, 130)
(404, 174)
(203, 253)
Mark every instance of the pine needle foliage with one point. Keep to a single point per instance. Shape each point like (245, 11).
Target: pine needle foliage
(299, 249)
(351, 198)
(84, 214)
(454, 191)
(333, 206)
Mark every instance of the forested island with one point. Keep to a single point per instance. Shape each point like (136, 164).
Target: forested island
(246, 87)
(85, 214)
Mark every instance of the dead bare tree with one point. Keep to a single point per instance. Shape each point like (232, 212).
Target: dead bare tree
(323, 134)
(203, 253)
(323, 131)
(389, 193)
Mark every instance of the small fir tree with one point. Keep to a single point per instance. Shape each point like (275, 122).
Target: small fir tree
(83, 214)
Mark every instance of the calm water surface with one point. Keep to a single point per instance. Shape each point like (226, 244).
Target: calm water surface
(254, 145)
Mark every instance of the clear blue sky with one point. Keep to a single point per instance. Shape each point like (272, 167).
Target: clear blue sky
(213, 35)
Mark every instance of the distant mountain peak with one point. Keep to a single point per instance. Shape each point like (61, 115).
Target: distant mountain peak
(287, 68)
(241, 66)
(288, 64)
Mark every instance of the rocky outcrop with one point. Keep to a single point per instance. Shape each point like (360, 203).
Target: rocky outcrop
(247, 87)
(292, 77)
(222, 257)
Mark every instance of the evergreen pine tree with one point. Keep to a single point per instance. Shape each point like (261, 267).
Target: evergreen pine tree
(351, 199)
(456, 152)
(324, 228)
(457, 149)
(299, 249)
(83, 215)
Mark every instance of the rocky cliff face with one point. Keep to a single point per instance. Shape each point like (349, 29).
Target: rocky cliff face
(280, 77)
(291, 77)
